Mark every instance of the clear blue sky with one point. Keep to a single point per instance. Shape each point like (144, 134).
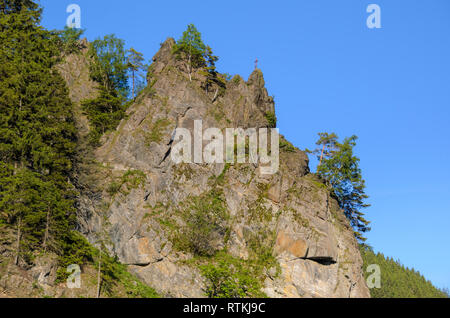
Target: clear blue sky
(329, 72)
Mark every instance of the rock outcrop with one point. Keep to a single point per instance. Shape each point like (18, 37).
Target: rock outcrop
(290, 213)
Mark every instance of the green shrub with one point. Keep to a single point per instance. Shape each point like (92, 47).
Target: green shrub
(206, 219)
(104, 114)
(236, 79)
(230, 277)
(286, 145)
(157, 131)
(133, 179)
(271, 119)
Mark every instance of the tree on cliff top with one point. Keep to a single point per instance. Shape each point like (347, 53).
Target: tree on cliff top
(136, 66)
(191, 47)
(110, 64)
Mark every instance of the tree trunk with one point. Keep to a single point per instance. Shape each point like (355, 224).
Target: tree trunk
(215, 95)
(190, 68)
(133, 84)
(99, 273)
(19, 234)
(46, 230)
(321, 156)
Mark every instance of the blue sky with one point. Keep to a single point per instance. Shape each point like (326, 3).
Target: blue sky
(329, 72)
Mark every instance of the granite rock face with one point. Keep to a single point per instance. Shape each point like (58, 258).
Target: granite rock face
(312, 240)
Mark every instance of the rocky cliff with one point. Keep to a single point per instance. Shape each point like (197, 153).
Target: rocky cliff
(143, 202)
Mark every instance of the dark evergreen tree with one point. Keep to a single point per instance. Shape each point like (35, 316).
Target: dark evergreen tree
(37, 134)
(340, 169)
(15, 6)
(70, 40)
(36, 124)
(104, 113)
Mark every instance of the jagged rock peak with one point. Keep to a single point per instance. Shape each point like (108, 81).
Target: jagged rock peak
(163, 56)
(256, 78)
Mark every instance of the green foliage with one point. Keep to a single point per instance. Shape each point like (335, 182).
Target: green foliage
(41, 210)
(37, 143)
(271, 119)
(230, 277)
(15, 6)
(110, 65)
(205, 217)
(236, 79)
(286, 145)
(134, 288)
(340, 169)
(115, 279)
(36, 123)
(227, 76)
(104, 113)
(114, 276)
(327, 143)
(133, 179)
(37, 135)
(398, 281)
(75, 250)
(191, 49)
(70, 38)
(157, 131)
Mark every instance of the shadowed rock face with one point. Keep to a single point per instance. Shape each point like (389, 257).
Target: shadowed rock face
(313, 242)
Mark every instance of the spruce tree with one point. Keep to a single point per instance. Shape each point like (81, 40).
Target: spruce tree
(37, 134)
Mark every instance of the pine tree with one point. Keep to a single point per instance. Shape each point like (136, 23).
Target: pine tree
(340, 169)
(36, 124)
(328, 143)
(136, 67)
(37, 134)
(191, 48)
